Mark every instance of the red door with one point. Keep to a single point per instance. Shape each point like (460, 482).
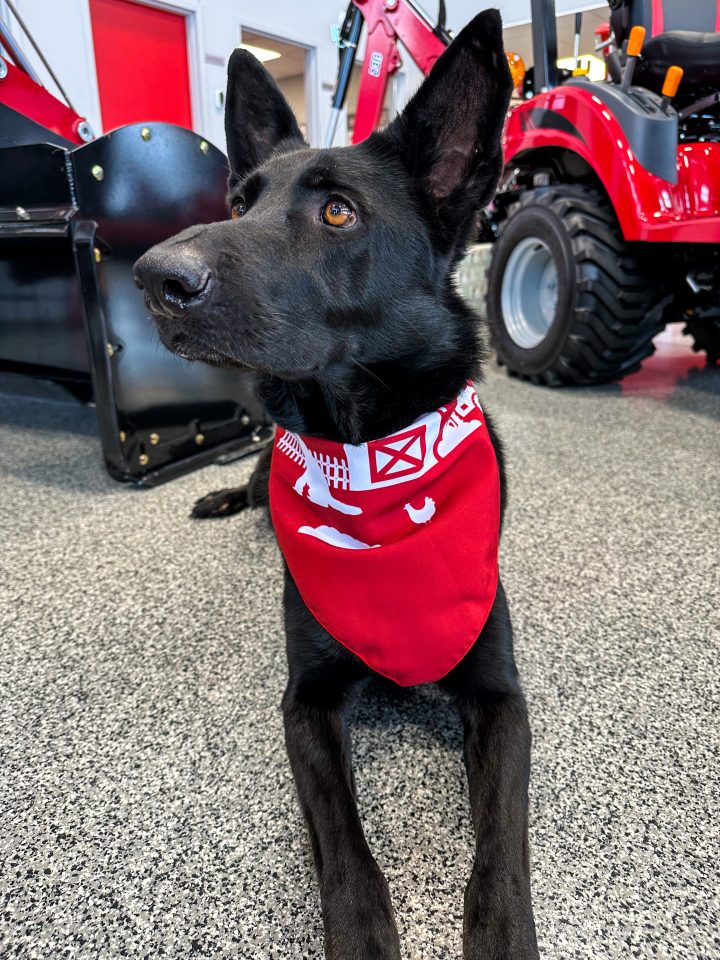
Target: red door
(141, 62)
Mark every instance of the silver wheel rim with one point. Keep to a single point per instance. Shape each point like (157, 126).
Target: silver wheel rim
(529, 292)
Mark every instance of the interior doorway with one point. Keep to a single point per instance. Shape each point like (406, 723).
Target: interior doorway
(290, 65)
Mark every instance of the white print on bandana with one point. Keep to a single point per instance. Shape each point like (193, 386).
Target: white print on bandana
(398, 458)
(316, 475)
(424, 514)
(337, 538)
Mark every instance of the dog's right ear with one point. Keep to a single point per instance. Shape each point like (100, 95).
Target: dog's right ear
(257, 115)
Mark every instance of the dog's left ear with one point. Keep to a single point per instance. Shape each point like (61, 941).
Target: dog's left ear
(449, 135)
(257, 115)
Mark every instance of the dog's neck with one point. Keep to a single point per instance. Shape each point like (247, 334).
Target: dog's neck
(362, 404)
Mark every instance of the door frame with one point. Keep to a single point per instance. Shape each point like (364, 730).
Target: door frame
(268, 30)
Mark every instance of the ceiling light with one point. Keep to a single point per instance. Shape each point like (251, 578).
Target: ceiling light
(263, 54)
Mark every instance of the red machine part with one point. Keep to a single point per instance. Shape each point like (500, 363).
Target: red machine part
(388, 21)
(603, 39)
(602, 32)
(648, 207)
(19, 92)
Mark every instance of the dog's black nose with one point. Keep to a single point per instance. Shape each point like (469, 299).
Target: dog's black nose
(174, 281)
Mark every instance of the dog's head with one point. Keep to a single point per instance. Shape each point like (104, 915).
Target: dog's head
(339, 256)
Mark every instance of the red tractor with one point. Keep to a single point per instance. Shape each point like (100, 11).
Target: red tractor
(606, 225)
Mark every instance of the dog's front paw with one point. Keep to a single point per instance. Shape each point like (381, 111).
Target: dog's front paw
(499, 923)
(221, 503)
(359, 923)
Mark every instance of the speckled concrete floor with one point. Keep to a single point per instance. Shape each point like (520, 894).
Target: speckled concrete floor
(146, 807)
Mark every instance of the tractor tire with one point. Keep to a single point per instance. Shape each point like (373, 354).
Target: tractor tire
(704, 328)
(569, 301)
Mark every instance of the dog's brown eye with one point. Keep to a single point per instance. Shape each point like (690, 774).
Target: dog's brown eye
(238, 209)
(337, 213)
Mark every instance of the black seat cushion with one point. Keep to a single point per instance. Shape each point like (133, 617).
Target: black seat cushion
(697, 53)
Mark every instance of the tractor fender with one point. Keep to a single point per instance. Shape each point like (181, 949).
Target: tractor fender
(681, 205)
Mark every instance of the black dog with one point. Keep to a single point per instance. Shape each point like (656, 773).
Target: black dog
(335, 286)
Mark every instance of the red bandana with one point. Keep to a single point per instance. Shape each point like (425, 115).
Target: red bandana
(393, 543)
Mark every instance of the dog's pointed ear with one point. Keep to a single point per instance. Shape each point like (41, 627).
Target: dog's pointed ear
(449, 135)
(257, 115)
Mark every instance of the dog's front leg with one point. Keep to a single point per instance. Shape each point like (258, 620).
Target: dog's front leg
(499, 921)
(357, 912)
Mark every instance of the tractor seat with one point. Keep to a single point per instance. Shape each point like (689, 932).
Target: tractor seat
(697, 53)
(680, 33)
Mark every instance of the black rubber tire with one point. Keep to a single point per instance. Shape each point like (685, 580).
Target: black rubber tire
(704, 327)
(609, 305)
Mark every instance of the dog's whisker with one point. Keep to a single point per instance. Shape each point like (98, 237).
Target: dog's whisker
(419, 332)
(285, 323)
(363, 367)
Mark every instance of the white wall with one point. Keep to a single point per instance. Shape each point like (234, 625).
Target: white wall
(62, 29)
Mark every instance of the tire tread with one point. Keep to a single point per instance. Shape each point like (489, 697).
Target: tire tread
(619, 308)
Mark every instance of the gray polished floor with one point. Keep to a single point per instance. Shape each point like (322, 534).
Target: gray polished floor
(146, 807)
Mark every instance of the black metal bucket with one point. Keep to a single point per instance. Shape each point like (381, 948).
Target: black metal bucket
(73, 220)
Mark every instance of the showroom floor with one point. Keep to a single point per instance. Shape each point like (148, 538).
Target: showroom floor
(146, 806)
